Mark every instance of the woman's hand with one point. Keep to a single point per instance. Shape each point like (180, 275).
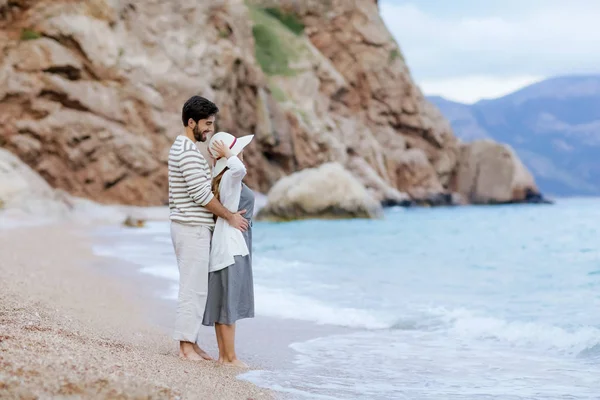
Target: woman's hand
(221, 150)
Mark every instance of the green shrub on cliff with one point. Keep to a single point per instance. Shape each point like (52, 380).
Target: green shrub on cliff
(28, 34)
(289, 20)
(270, 52)
(395, 54)
(277, 42)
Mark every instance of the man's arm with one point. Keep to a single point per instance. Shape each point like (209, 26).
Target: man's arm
(234, 219)
(198, 182)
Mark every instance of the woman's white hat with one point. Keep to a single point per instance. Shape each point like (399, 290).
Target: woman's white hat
(235, 144)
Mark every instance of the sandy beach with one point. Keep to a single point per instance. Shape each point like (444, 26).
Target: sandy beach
(68, 329)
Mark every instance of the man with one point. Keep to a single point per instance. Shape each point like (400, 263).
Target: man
(192, 206)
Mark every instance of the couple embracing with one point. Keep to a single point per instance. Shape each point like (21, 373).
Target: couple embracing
(211, 230)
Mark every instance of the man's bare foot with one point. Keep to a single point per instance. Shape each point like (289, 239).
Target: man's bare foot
(202, 353)
(187, 352)
(235, 363)
(190, 356)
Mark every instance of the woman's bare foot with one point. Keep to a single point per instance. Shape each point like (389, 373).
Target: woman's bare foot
(235, 363)
(202, 353)
(187, 352)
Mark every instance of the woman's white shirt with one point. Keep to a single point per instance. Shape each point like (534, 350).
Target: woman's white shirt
(227, 241)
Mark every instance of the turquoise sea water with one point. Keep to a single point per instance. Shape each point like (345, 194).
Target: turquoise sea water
(448, 303)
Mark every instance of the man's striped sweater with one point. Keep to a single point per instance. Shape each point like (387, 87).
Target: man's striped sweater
(189, 184)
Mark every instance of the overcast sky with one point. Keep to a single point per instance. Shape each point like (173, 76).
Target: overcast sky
(467, 50)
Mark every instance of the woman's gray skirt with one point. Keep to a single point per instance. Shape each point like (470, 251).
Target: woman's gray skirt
(230, 294)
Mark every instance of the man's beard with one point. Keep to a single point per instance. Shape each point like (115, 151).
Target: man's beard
(199, 136)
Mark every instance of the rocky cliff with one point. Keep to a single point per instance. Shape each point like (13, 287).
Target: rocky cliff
(91, 91)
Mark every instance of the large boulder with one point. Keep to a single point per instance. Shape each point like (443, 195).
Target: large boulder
(24, 191)
(491, 173)
(415, 174)
(375, 185)
(26, 198)
(329, 191)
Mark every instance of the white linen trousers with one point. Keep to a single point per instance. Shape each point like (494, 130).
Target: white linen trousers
(192, 249)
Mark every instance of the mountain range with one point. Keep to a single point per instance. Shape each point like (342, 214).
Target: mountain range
(553, 125)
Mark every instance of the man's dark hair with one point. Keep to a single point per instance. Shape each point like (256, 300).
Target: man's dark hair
(198, 108)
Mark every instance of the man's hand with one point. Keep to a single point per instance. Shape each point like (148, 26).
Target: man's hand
(234, 219)
(238, 222)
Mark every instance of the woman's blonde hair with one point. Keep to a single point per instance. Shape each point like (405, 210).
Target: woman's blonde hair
(216, 182)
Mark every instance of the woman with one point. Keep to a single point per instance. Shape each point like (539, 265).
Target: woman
(230, 284)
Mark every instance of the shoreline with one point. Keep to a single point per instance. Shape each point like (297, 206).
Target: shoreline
(69, 328)
(263, 342)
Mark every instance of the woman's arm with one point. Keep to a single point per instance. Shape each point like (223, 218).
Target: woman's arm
(236, 168)
(231, 182)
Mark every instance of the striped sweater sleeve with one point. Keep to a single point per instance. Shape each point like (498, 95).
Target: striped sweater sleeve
(198, 182)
